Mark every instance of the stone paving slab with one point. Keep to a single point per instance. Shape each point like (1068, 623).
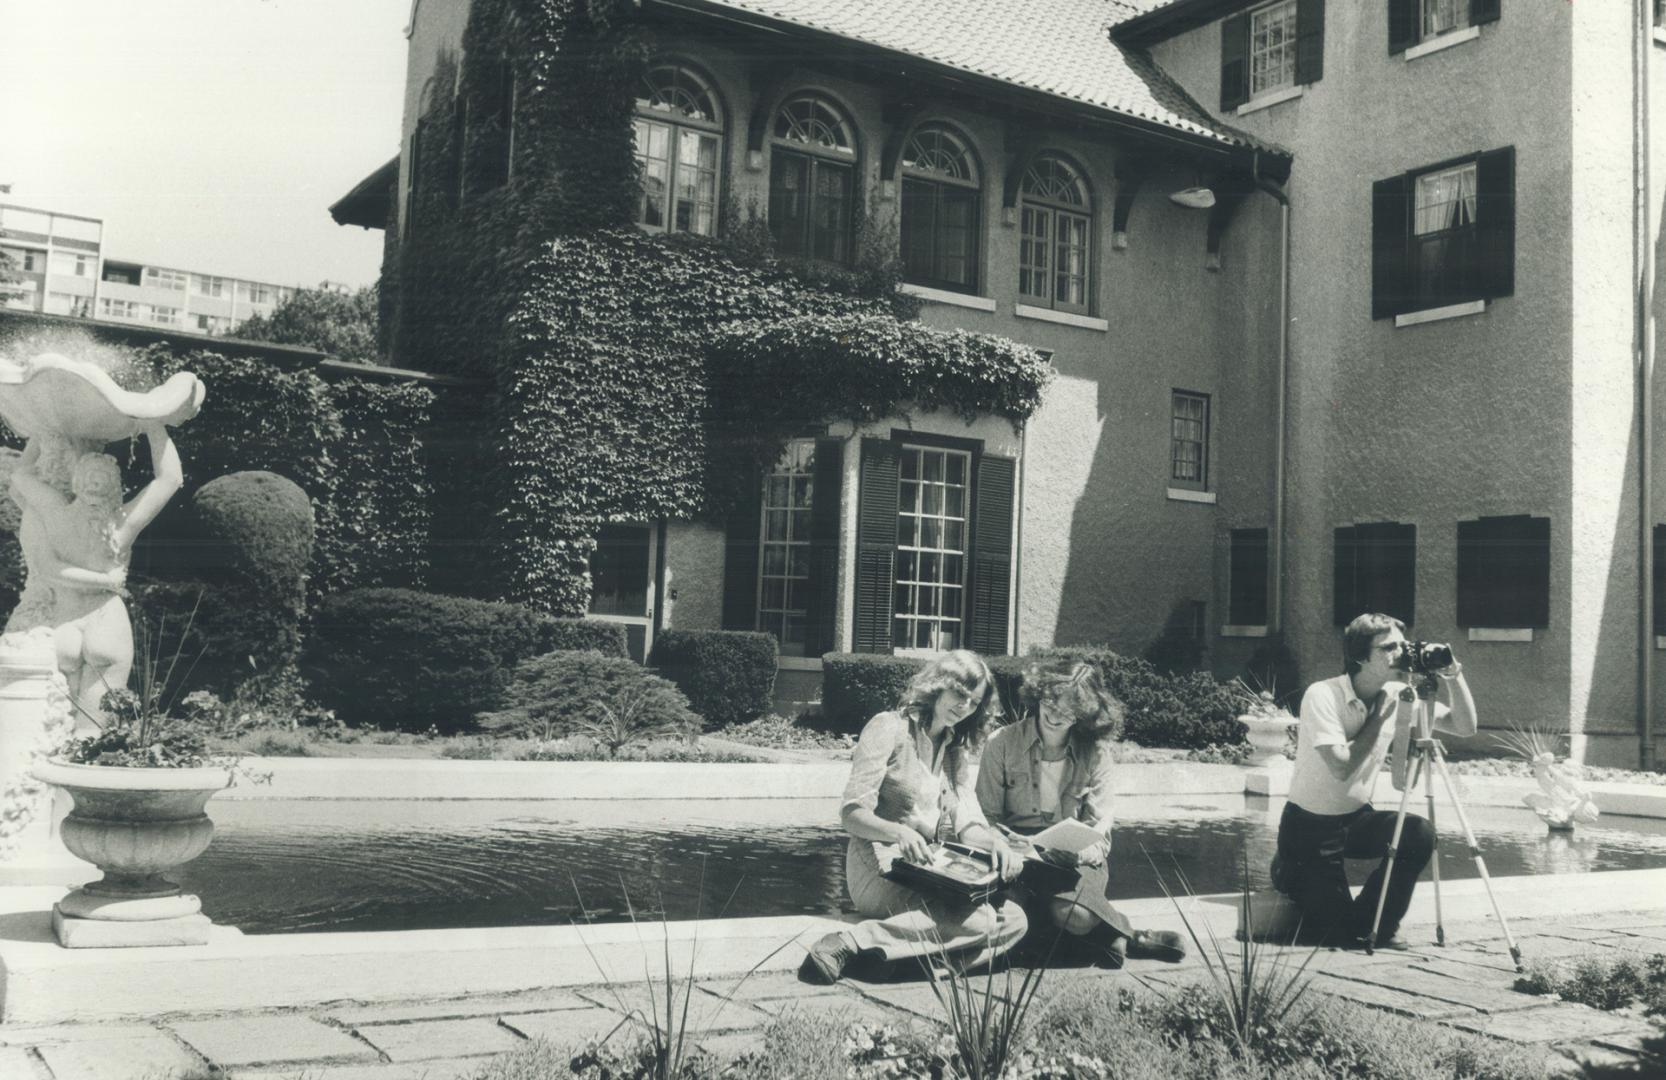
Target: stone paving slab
(774, 984)
(1559, 1022)
(564, 1027)
(856, 1009)
(440, 1038)
(148, 1057)
(14, 1061)
(1648, 1044)
(450, 1069)
(259, 1040)
(1438, 987)
(1498, 977)
(491, 1005)
(41, 1035)
(1656, 933)
(1383, 997)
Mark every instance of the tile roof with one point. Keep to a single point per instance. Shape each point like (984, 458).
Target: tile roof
(1058, 47)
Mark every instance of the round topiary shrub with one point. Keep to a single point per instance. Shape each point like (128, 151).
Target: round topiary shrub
(728, 675)
(399, 658)
(612, 700)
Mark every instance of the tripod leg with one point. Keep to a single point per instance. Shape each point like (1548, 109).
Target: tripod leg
(1475, 850)
(1434, 856)
(1393, 847)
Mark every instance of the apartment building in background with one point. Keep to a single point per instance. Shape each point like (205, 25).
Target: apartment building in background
(62, 270)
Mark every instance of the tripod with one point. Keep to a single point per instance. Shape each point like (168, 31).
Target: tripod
(1418, 753)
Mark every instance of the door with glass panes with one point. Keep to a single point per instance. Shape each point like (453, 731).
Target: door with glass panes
(622, 582)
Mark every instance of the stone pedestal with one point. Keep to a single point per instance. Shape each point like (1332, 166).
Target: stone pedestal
(33, 706)
(1271, 779)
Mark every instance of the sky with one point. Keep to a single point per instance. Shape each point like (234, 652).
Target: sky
(210, 135)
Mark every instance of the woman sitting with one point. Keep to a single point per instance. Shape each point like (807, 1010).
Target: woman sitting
(913, 780)
(1053, 765)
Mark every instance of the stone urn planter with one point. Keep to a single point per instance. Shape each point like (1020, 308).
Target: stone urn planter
(1267, 734)
(135, 825)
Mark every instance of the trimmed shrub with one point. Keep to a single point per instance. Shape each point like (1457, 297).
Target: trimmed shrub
(613, 700)
(728, 675)
(595, 635)
(398, 658)
(855, 686)
(1187, 711)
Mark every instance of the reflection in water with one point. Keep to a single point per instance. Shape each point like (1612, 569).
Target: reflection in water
(316, 866)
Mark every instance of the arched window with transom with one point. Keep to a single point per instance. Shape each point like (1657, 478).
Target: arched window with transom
(812, 180)
(1056, 248)
(679, 144)
(941, 193)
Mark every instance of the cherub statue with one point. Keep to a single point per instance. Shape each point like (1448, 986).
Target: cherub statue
(1562, 800)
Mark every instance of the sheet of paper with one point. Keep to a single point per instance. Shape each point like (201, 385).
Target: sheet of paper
(1068, 835)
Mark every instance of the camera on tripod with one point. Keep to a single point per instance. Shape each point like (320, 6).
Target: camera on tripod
(1424, 657)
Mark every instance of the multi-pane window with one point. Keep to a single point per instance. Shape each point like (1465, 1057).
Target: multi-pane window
(209, 286)
(1443, 231)
(1055, 243)
(119, 309)
(1272, 47)
(164, 316)
(1443, 17)
(1189, 440)
(784, 547)
(1444, 235)
(679, 139)
(812, 181)
(165, 279)
(929, 606)
(940, 196)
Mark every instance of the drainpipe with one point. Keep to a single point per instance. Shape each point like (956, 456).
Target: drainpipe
(1018, 537)
(1643, 15)
(1275, 552)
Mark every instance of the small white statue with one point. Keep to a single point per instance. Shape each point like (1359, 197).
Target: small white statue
(1561, 800)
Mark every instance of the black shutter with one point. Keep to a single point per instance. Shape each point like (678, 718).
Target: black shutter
(1495, 223)
(992, 556)
(827, 475)
(876, 546)
(1532, 572)
(1234, 62)
(1473, 585)
(1483, 11)
(1390, 236)
(1310, 41)
(1344, 601)
(741, 530)
(1402, 25)
(1660, 575)
(1247, 578)
(1395, 562)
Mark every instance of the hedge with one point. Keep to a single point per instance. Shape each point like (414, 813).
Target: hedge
(855, 686)
(613, 700)
(406, 659)
(728, 675)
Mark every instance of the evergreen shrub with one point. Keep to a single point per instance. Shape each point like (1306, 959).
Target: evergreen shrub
(728, 675)
(855, 686)
(1186, 711)
(611, 699)
(594, 635)
(398, 658)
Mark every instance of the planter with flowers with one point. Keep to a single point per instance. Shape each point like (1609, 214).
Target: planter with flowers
(1266, 723)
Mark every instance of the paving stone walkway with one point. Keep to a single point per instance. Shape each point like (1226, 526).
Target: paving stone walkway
(1467, 984)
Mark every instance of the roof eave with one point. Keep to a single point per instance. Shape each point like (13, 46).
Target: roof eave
(368, 203)
(1174, 19)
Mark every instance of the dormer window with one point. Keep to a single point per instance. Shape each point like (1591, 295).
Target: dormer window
(679, 144)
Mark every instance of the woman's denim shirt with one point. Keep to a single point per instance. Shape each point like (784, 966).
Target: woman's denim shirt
(1009, 782)
(888, 777)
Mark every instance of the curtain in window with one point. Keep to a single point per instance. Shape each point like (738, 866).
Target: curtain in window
(1446, 200)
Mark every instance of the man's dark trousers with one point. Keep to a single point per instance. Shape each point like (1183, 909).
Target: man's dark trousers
(1311, 848)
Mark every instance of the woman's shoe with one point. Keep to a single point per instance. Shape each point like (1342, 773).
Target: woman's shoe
(825, 963)
(1157, 945)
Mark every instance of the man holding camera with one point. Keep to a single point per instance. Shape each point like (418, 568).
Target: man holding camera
(1347, 727)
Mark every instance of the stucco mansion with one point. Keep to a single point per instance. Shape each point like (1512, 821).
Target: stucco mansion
(1350, 307)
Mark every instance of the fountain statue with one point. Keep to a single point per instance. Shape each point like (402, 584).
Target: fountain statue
(70, 640)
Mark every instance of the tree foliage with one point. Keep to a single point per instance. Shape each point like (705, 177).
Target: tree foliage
(342, 324)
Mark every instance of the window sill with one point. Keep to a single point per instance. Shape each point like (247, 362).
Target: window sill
(1243, 631)
(1086, 322)
(944, 296)
(1659, 639)
(1444, 41)
(1271, 98)
(1493, 633)
(1660, 35)
(1187, 495)
(798, 663)
(1450, 311)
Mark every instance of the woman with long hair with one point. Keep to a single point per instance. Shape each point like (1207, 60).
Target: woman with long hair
(913, 779)
(1053, 765)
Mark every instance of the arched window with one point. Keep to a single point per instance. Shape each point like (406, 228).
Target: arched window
(941, 193)
(1057, 236)
(812, 180)
(679, 143)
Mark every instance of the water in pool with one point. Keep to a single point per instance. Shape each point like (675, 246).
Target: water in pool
(288, 866)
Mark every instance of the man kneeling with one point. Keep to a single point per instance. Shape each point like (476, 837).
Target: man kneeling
(1347, 727)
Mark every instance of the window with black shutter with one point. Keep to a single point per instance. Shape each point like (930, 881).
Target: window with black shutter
(1504, 572)
(1660, 545)
(1271, 48)
(1375, 571)
(1412, 22)
(1444, 235)
(1247, 578)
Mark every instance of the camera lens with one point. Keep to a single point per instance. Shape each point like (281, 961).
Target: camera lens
(1436, 657)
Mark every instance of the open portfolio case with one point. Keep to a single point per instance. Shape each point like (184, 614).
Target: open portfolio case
(968, 873)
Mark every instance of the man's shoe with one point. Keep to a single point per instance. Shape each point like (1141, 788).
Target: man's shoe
(1280, 875)
(1157, 945)
(825, 963)
(1113, 953)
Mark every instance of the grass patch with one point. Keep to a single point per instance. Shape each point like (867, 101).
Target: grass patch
(1602, 980)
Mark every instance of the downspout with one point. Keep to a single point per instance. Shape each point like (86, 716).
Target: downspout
(1644, 17)
(1275, 546)
(1018, 536)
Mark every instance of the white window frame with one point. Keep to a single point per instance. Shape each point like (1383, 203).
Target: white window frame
(907, 590)
(1042, 215)
(1177, 437)
(1457, 9)
(789, 492)
(1282, 15)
